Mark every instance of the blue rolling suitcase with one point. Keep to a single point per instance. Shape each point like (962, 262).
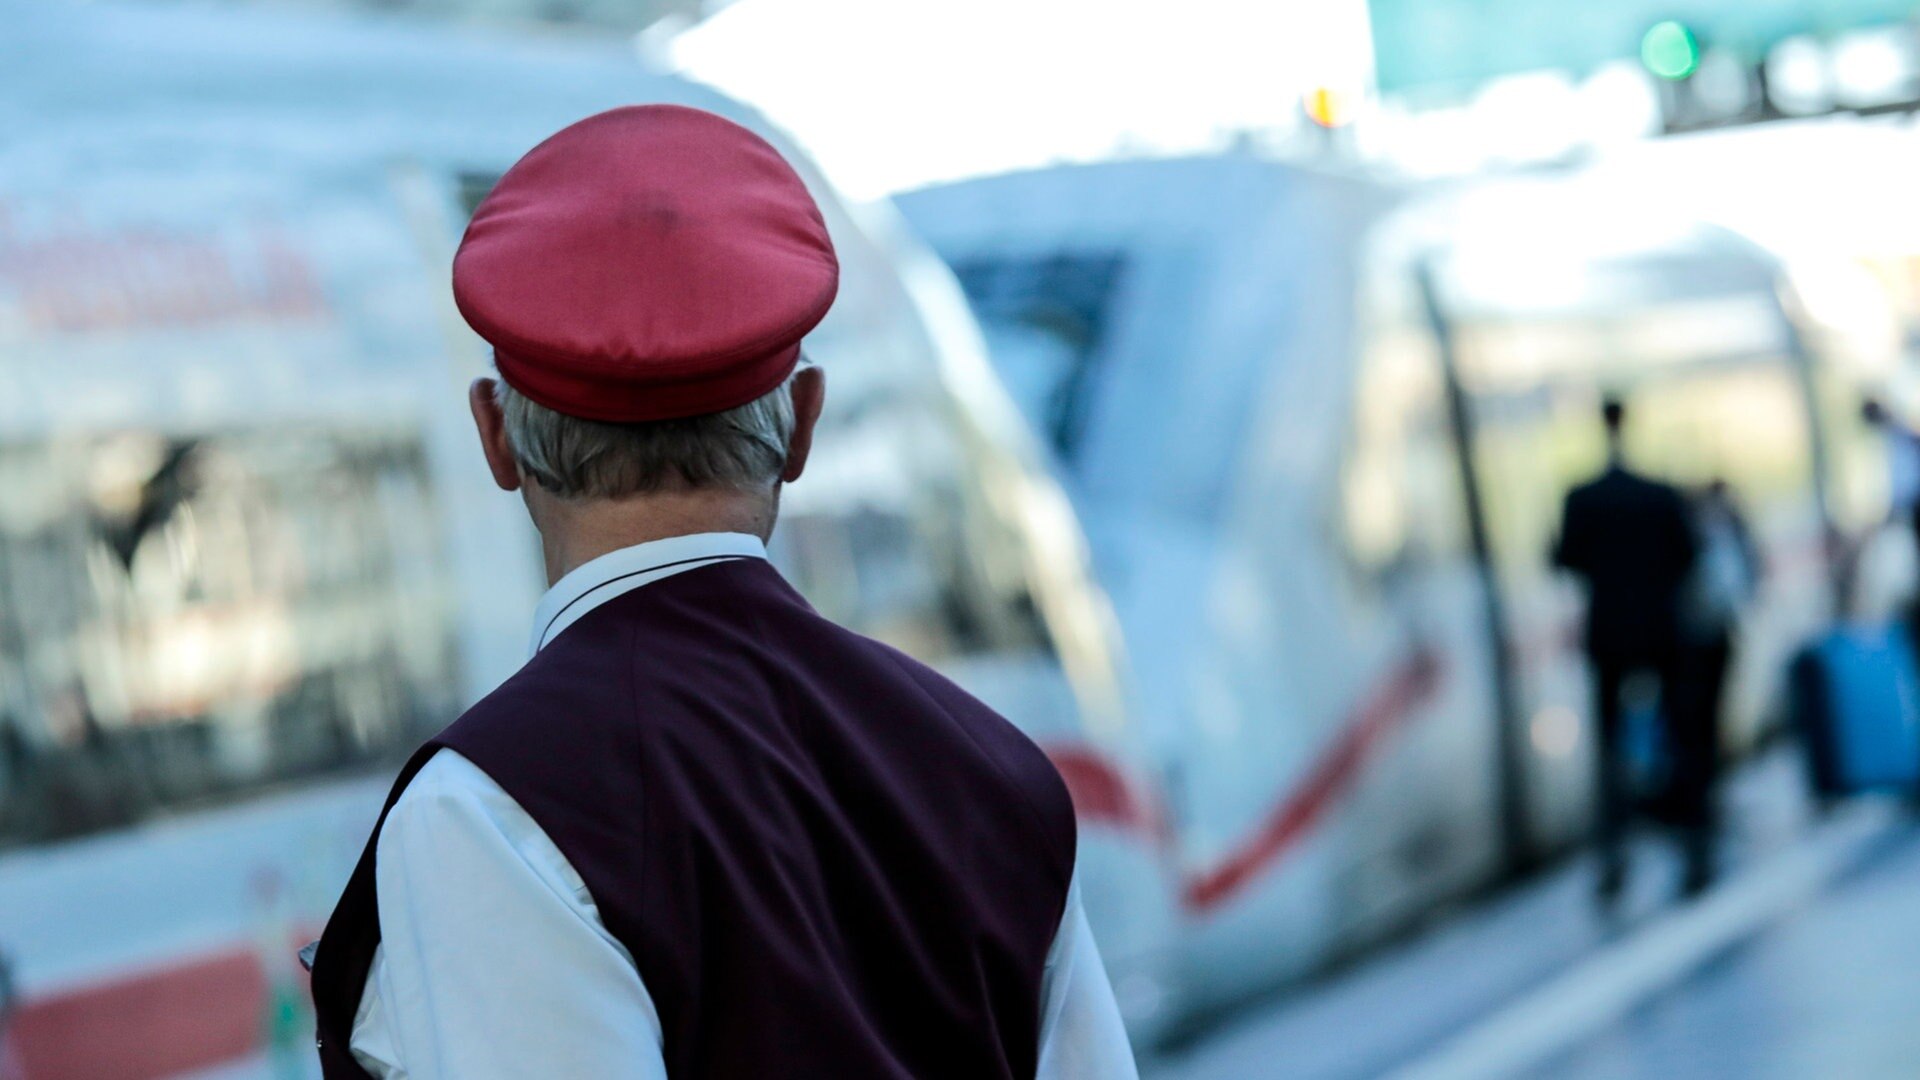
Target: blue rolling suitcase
(1856, 700)
(1647, 756)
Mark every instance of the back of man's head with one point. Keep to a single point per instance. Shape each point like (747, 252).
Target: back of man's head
(645, 277)
(741, 449)
(1613, 413)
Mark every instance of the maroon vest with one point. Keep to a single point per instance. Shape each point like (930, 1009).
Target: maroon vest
(826, 859)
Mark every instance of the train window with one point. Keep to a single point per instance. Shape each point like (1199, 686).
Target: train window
(1374, 487)
(1045, 320)
(1400, 485)
(183, 618)
(888, 534)
(1698, 347)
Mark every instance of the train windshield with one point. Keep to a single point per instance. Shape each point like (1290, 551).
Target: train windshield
(1045, 320)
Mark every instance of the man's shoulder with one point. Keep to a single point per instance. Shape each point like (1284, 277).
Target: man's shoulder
(560, 698)
(1020, 762)
(1624, 485)
(826, 668)
(641, 660)
(1595, 489)
(447, 787)
(556, 676)
(1667, 498)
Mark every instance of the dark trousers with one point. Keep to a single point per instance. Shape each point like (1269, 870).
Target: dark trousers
(1691, 681)
(1914, 517)
(1695, 736)
(1913, 611)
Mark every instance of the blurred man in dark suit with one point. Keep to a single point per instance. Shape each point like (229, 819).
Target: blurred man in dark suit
(1903, 464)
(1631, 542)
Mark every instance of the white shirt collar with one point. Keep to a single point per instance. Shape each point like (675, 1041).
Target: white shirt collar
(591, 584)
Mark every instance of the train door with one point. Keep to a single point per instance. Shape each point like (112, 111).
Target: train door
(1424, 824)
(1684, 324)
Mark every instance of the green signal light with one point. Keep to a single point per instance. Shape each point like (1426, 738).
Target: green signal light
(1670, 50)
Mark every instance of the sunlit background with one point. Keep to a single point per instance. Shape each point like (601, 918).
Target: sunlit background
(1206, 382)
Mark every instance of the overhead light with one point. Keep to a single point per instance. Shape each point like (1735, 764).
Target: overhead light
(1328, 107)
(1670, 50)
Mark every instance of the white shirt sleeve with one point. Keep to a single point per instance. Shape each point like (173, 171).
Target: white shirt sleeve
(493, 962)
(1081, 1036)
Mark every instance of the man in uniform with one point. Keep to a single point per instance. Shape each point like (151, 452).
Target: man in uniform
(1630, 540)
(703, 832)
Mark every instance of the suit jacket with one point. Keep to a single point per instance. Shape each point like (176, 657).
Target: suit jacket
(1631, 540)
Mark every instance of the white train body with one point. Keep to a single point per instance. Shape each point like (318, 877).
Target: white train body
(1241, 378)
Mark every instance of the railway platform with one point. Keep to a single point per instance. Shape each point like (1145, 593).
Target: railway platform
(1794, 965)
(1824, 992)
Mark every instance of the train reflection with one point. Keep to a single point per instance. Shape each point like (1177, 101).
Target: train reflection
(187, 617)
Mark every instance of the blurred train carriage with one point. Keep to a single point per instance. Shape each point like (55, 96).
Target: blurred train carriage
(1245, 371)
(248, 557)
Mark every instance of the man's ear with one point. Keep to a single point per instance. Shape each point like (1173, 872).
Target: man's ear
(492, 424)
(809, 397)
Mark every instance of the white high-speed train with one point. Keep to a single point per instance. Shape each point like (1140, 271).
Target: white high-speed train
(1318, 430)
(248, 556)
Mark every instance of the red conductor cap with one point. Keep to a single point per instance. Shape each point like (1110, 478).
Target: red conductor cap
(647, 263)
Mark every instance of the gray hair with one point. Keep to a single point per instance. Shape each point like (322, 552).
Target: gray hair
(744, 448)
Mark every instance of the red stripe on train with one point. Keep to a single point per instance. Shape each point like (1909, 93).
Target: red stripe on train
(1104, 793)
(170, 1020)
